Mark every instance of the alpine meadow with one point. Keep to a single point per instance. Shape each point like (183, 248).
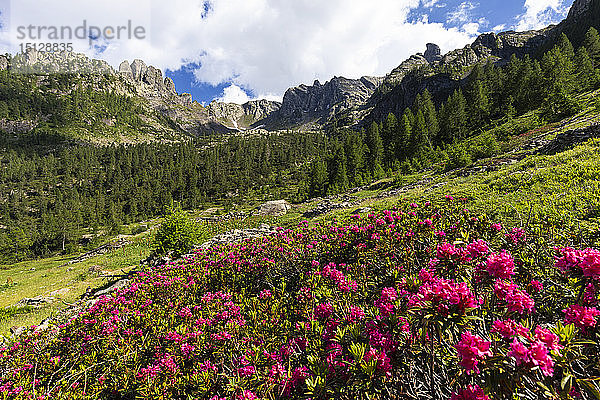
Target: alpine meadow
(431, 233)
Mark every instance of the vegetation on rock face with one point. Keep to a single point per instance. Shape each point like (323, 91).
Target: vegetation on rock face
(422, 301)
(423, 136)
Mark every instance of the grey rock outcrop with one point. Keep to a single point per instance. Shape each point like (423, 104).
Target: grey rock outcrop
(238, 235)
(125, 69)
(170, 85)
(433, 53)
(579, 7)
(566, 140)
(496, 47)
(275, 208)
(138, 68)
(414, 62)
(243, 116)
(63, 62)
(309, 104)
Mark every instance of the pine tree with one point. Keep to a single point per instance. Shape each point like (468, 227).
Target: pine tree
(355, 155)
(453, 118)
(564, 44)
(402, 145)
(375, 145)
(587, 76)
(318, 178)
(426, 105)
(419, 139)
(339, 177)
(478, 97)
(592, 45)
(388, 134)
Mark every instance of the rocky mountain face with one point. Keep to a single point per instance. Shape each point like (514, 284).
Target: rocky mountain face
(243, 116)
(147, 82)
(579, 7)
(307, 106)
(340, 101)
(429, 70)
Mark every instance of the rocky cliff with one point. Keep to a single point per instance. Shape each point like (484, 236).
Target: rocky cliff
(243, 116)
(340, 101)
(308, 106)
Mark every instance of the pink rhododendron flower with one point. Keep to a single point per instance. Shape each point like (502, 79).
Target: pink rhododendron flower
(443, 294)
(581, 317)
(535, 355)
(590, 264)
(509, 328)
(471, 349)
(356, 314)
(516, 300)
(548, 338)
(470, 393)
(324, 310)
(496, 227)
(500, 265)
(519, 352)
(383, 361)
(478, 249)
(536, 285)
(516, 236)
(586, 262)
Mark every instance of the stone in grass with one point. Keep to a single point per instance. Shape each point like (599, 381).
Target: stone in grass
(36, 302)
(275, 208)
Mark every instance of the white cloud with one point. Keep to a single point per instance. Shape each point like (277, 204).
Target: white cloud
(234, 94)
(266, 46)
(499, 28)
(462, 13)
(472, 28)
(541, 13)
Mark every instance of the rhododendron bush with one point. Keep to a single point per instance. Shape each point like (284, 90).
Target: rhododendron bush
(421, 301)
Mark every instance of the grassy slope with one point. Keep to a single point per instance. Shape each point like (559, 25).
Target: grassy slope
(559, 189)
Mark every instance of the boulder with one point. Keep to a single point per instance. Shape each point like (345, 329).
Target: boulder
(274, 208)
(36, 302)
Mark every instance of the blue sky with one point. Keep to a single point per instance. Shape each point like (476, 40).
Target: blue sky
(468, 18)
(237, 50)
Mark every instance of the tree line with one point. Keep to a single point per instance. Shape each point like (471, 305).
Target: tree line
(427, 134)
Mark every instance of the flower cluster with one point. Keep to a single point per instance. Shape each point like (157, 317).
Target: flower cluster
(500, 265)
(586, 262)
(581, 317)
(445, 295)
(326, 308)
(516, 300)
(537, 354)
(472, 349)
(470, 393)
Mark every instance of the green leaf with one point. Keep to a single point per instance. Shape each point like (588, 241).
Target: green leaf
(590, 387)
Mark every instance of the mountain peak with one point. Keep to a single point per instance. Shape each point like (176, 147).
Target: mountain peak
(579, 7)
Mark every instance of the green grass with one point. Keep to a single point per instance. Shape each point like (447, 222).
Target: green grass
(557, 191)
(66, 283)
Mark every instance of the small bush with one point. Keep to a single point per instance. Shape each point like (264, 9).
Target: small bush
(177, 234)
(458, 157)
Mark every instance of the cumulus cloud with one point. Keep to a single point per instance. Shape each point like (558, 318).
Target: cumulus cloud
(541, 13)
(234, 94)
(433, 3)
(266, 46)
(463, 13)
